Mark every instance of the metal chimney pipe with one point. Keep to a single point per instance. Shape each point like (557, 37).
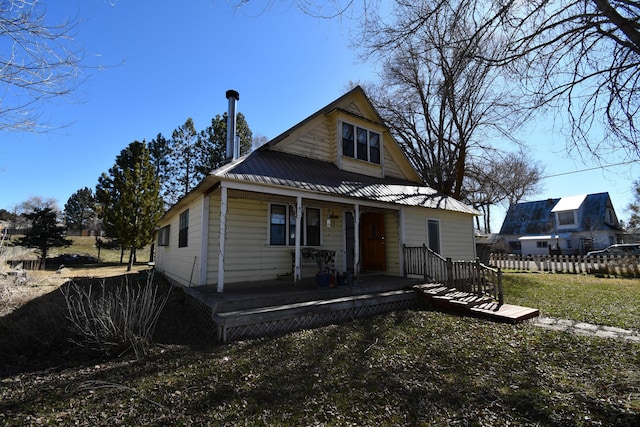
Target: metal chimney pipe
(233, 98)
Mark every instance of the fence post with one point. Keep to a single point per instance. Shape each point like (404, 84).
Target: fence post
(404, 260)
(500, 294)
(424, 261)
(478, 277)
(449, 264)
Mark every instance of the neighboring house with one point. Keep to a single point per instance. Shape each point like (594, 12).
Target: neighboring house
(336, 185)
(569, 225)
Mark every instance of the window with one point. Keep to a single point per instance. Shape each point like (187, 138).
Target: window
(348, 148)
(312, 230)
(566, 218)
(280, 216)
(183, 230)
(278, 221)
(542, 245)
(360, 143)
(363, 144)
(163, 236)
(433, 235)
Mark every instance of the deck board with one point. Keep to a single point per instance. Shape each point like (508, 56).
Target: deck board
(473, 304)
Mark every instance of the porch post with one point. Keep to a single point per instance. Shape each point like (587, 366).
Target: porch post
(223, 237)
(297, 271)
(204, 244)
(356, 234)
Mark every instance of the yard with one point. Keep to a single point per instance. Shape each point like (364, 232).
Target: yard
(404, 368)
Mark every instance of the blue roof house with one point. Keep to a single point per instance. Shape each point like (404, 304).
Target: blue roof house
(568, 225)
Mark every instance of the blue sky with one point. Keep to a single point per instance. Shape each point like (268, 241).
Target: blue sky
(167, 61)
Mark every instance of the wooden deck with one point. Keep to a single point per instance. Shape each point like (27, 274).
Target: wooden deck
(447, 299)
(266, 308)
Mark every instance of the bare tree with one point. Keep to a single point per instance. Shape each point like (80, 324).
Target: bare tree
(441, 98)
(39, 61)
(583, 56)
(504, 179)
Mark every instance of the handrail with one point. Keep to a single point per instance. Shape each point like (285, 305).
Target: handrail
(468, 276)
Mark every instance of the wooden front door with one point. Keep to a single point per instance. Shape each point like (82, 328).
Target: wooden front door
(372, 242)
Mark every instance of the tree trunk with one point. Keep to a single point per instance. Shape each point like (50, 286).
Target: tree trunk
(132, 257)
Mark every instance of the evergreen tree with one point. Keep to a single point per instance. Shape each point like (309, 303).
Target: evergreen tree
(190, 155)
(44, 233)
(130, 198)
(182, 161)
(160, 152)
(211, 145)
(80, 210)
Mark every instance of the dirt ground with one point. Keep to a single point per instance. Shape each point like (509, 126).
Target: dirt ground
(14, 294)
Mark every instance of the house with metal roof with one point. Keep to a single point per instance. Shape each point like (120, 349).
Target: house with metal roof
(567, 225)
(333, 194)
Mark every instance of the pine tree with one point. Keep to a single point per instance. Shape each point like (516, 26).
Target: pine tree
(44, 233)
(130, 198)
(211, 145)
(80, 210)
(160, 151)
(182, 168)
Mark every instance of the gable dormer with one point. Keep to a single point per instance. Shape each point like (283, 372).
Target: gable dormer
(350, 134)
(567, 211)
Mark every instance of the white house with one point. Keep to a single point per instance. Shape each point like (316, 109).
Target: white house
(335, 186)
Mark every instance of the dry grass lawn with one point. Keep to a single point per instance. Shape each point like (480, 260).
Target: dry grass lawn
(415, 367)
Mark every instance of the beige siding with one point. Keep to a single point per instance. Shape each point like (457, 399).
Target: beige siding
(182, 264)
(361, 167)
(314, 141)
(248, 256)
(391, 168)
(392, 244)
(456, 231)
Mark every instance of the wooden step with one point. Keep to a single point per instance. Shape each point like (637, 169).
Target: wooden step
(452, 299)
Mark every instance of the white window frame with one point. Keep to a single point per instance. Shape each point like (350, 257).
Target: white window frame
(436, 222)
(183, 229)
(303, 226)
(566, 214)
(355, 143)
(163, 235)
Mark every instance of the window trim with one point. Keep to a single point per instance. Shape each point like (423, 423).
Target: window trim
(357, 155)
(164, 235)
(183, 229)
(289, 238)
(439, 235)
(566, 214)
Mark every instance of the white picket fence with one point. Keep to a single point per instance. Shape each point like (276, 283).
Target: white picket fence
(628, 266)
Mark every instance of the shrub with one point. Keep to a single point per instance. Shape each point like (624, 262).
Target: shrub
(115, 318)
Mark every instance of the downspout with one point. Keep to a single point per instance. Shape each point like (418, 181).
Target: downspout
(204, 244)
(297, 274)
(223, 236)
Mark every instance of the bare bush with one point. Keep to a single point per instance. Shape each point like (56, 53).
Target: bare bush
(115, 318)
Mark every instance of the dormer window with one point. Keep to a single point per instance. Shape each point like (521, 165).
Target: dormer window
(566, 218)
(360, 143)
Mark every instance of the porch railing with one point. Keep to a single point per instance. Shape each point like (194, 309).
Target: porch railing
(467, 276)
